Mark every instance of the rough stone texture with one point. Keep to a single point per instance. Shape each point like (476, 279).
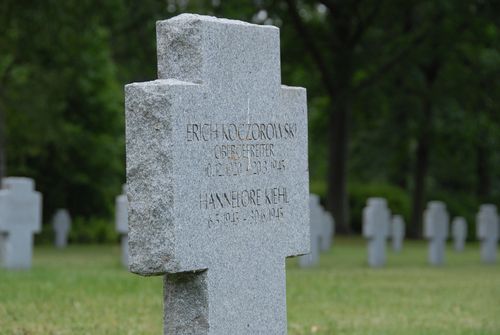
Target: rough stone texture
(121, 223)
(459, 233)
(376, 225)
(397, 232)
(317, 217)
(61, 224)
(20, 218)
(436, 226)
(217, 176)
(487, 225)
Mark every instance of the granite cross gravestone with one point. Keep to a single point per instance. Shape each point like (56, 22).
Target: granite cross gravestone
(20, 218)
(436, 222)
(61, 224)
(376, 221)
(487, 225)
(316, 215)
(459, 233)
(217, 176)
(397, 232)
(121, 223)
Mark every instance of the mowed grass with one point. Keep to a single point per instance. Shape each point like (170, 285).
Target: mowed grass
(344, 296)
(84, 290)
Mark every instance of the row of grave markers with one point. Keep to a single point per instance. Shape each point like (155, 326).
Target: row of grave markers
(378, 227)
(21, 218)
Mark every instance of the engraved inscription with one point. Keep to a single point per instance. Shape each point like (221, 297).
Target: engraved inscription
(251, 167)
(251, 206)
(232, 150)
(230, 159)
(240, 132)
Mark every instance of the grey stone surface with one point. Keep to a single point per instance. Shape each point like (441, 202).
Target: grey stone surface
(317, 231)
(459, 233)
(217, 176)
(397, 232)
(487, 225)
(61, 224)
(376, 225)
(121, 223)
(20, 218)
(436, 226)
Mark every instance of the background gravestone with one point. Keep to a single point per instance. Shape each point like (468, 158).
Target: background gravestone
(316, 215)
(376, 221)
(397, 232)
(328, 227)
(20, 218)
(61, 225)
(459, 233)
(121, 223)
(436, 225)
(217, 176)
(487, 225)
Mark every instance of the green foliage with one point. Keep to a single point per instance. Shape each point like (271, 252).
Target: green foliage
(398, 200)
(83, 231)
(318, 187)
(93, 230)
(63, 106)
(402, 70)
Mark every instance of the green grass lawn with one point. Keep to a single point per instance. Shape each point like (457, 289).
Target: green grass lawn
(84, 290)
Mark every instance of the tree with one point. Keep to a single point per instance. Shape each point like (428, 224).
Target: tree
(61, 104)
(357, 53)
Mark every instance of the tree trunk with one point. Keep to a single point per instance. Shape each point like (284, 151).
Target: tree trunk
(419, 179)
(431, 72)
(400, 165)
(422, 163)
(337, 198)
(483, 188)
(3, 162)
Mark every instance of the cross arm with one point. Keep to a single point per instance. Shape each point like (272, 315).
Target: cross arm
(150, 187)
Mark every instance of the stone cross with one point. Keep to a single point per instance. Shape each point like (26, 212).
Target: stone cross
(217, 176)
(121, 223)
(328, 231)
(436, 225)
(459, 233)
(61, 224)
(397, 232)
(487, 225)
(316, 215)
(20, 218)
(376, 221)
